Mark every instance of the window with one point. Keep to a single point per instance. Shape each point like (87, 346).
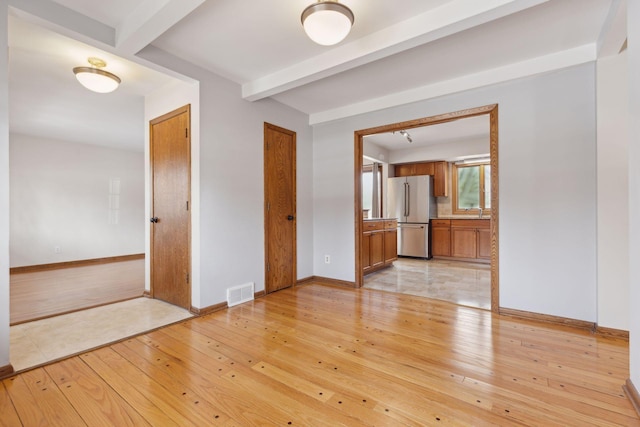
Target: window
(471, 187)
(367, 190)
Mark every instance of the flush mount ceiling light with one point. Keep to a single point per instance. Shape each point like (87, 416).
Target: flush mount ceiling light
(327, 22)
(96, 79)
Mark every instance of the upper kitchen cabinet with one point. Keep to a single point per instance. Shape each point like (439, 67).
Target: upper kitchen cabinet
(440, 178)
(439, 171)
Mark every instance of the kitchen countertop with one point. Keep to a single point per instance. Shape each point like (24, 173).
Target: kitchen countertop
(380, 219)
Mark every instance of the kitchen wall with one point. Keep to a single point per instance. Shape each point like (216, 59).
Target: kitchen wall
(231, 186)
(547, 188)
(62, 196)
(613, 191)
(446, 151)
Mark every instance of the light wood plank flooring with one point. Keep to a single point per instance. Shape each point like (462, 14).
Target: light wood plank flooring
(43, 294)
(325, 356)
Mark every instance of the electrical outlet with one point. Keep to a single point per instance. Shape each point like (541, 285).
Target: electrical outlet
(57, 250)
(327, 259)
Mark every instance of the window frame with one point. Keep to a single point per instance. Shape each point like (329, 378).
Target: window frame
(454, 188)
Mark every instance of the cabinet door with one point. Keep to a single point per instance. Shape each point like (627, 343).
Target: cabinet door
(441, 241)
(440, 176)
(424, 168)
(463, 242)
(390, 245)
(484, 243)
(376, 248)
(365, 251)
(405, 170)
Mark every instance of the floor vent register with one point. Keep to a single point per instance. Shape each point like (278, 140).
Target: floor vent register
(239, 294)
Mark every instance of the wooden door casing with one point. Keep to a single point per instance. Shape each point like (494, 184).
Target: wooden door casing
(280, 207)
(170, 150)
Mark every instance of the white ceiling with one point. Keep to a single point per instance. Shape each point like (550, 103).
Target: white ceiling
(397, 52)
(472, 128)
(46, 100)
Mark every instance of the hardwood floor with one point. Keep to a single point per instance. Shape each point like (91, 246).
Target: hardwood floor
(327, 356)
(36, 295)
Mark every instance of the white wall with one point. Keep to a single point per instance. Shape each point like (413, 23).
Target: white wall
(171, 97)
(633, 28)
(445, 151)
(61, 197)
(613, 192)
(4, 187)
(231, 181)
(547, 188)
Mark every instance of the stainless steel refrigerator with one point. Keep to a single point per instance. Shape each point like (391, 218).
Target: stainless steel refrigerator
(410, 199)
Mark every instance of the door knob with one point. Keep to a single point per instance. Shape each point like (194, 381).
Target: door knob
(154, 219)
(290, 217)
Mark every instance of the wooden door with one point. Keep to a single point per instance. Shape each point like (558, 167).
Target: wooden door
(171, 219)
(280, 207)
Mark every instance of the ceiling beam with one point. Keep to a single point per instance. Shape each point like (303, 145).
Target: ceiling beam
(150, 20)
(63, 20)
(530, 67)
(451, 18)
(614, 30)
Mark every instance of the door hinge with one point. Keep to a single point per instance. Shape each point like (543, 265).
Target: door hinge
(186, 132)
(268, 267)
(187, 278)
(268, 206)
(187, 205)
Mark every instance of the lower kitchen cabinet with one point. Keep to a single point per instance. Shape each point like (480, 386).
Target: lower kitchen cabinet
(465, 239)
(379, 244)
(464, 242)
(484, 243)
(441, 237)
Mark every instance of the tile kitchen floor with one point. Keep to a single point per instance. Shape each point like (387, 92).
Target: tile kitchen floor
(459, 282)
(45, 340)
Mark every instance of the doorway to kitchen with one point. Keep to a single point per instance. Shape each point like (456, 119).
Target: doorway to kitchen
(467, 223)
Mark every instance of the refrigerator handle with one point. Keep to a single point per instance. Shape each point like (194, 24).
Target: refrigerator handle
(407, 200)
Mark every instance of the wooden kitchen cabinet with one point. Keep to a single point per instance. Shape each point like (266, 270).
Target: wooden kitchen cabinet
(464, 239)
(379, 244)
(440, 178)
(464, 242)
(365, 250)
(440, 237)
(471, 238)
(439, 171)
(376, 249)
(390, 245)
(484, 243)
